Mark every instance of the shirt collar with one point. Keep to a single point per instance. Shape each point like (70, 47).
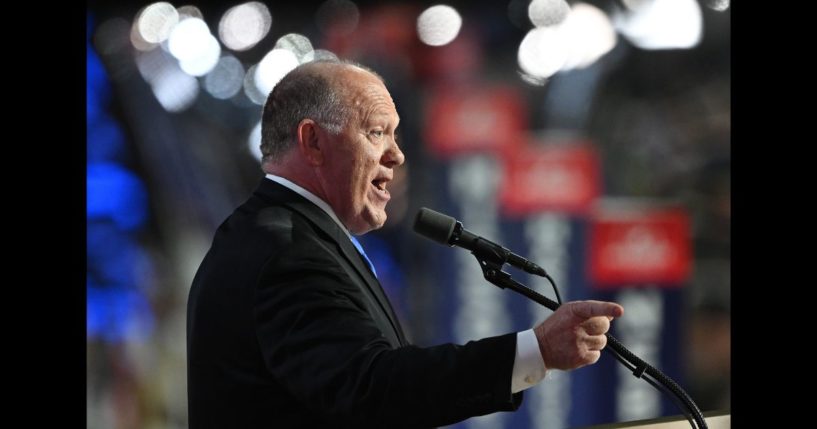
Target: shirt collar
(311, 197)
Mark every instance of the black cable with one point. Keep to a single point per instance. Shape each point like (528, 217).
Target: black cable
(555, 289)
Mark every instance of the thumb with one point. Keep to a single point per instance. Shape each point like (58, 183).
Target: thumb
(588, 309)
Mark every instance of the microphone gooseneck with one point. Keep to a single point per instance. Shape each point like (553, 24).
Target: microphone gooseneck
(446, 230)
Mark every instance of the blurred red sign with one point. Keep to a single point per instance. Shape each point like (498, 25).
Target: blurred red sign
(474, 120)
(639, 246)
(559, 178)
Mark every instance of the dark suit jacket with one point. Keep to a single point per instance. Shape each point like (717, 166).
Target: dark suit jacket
(288, 328)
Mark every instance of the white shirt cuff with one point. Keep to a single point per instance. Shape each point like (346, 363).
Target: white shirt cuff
(528, 365)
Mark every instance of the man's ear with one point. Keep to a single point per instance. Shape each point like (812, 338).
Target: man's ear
(310, 142)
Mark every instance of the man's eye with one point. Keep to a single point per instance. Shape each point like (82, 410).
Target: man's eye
(377, 133)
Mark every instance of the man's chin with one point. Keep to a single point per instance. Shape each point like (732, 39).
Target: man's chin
(369, 221)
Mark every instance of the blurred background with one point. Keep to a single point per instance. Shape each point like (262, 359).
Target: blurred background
(592, 137)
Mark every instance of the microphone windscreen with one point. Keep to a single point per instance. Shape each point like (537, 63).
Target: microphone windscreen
(434, 225)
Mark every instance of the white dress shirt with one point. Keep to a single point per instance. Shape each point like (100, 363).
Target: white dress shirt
(528, 365)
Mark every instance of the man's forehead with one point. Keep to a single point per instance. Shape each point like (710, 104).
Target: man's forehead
(366, 91)
(373, 102)
(334, 71)
(360, 80)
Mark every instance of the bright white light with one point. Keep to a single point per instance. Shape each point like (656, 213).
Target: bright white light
(589, 33)
(243, 26)
(339, 17)
(251, 88)
(582, 38)
(718, 5)
(254, 141)
(193, 45)
(662, 24)
(438, 25)
(189, 39)
(156, 21)
(298, 44)
(578, 41)
(203, 63)
(225, 80)
(175, 90)
(543, 13)
(542, 52)
(274, 66)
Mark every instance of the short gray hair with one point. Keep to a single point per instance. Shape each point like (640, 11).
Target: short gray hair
(305, 92)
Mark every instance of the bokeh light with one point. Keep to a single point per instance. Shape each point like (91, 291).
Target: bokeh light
(226, 78)
(156, 21)
(193, 45)
(189, 39)
(438, 25)
(543, 13)
(136, 38)
(661, 24)
(243, 26)
(152, 64)
(542, 52)
(274, 66)
(201, 64)
(115, 193)
(175, 89)
(254, 142)
(589, 33)
(251, 88)
(578, 41)
(298, 44)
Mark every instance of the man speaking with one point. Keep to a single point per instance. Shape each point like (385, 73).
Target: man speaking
(287, 325)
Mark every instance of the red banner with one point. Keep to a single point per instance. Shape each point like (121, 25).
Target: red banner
(638, 246)
(474, 119)
(557, 177)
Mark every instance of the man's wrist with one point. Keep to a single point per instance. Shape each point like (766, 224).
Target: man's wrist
(528, 367)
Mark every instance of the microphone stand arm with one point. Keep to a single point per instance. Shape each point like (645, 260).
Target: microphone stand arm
(491, 262)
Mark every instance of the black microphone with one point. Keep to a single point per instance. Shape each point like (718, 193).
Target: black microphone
(449, 231)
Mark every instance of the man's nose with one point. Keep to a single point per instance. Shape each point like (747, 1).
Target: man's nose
(393, 156)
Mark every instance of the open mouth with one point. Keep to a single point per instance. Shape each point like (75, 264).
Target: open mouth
(380, 186)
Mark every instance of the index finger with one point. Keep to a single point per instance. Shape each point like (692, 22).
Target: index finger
(588, 309)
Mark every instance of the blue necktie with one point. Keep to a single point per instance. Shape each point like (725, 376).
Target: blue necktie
(363, 253)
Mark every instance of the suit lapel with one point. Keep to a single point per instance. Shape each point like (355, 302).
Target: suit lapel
(321, 219)
(351, 254)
